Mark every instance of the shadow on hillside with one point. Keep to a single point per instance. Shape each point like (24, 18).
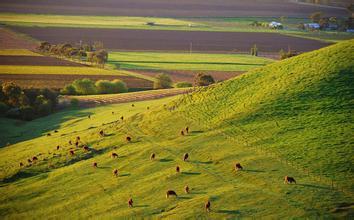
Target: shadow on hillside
(22, 130)
(191, 173)
(20, 175)
(231, 212)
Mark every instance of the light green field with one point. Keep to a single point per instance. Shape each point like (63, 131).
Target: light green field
(237, 24)
(292, 117)
(185, 61)
(18, 52)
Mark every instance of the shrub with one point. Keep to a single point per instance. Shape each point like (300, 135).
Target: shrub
(68, 90)
(119, 86)
(74, 102)
(105, 87)
(201, 79)
(183, 85)
(163, 81)
(27, 113)
(12, 93)
(43, 106)
(84, 87)
(3, 108)
(13, 113)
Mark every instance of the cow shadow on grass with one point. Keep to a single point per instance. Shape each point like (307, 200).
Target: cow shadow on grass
(141, 206)
(313, 186)
(202, 162)
(191, 173)
(253, 171)
(230, 212)
(125, 174)
(195, 132)
(198, 192)
(164, 160)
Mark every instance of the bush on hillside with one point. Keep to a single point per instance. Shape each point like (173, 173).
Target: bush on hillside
(202, 79)
(104, 87)
(84, 86)
(3, 108)
(183, 85)
(119, 86)
(163, 81)
(27, 113)
(68, 90)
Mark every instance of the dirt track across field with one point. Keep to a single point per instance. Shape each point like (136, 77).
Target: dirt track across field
(95, 100)
(169, 8)
(148, 40)
(188, 76)
(58, 81)
(35, 61)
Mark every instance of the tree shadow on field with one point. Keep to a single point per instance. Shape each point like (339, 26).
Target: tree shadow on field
(39, 127)
(230, 212)
(312, 186)
(19, 175)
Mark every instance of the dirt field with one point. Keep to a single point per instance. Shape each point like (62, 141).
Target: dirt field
(9, 40)
(35, 61)
(58, 81)
(140, 40)
(167, 8)
(188, 76)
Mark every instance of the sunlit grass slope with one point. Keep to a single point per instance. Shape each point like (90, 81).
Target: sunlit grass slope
(292, 117)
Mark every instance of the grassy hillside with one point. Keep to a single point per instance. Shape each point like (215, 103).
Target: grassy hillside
(186, 61)
(292, 117)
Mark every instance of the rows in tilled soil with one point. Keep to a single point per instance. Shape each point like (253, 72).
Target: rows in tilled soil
(35, 61)
(188, 76)
(168, 8)
(157, 40)
(9, 40)
(57, 81)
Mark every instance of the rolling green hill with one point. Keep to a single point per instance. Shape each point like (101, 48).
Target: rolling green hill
(292, 117)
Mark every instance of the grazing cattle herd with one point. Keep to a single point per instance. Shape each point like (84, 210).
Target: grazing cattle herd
(207, 205)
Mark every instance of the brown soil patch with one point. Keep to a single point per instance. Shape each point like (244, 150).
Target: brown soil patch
(35, 61)
(58, 81)
(157, 40)
(9, 40)
(165, 8)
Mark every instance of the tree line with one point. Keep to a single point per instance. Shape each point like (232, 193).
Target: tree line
(26, 104)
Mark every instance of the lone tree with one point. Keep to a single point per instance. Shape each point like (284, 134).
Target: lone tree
(316, 16)
(202, 79)
(254, 50)
(163, 81)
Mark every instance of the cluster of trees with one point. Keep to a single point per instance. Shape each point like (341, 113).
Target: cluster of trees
(93, 53)
(88, 87)
(333, 23)
(164, 81)
(26, 104)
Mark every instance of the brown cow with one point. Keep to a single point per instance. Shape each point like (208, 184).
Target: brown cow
(187, 129)
(115, 172)
(71, 152)
(177, 169)
(89, 116)
(114, 155)
(102, 133)
(288, 179)
(170, 193)
(130, 203)
(94, 164)
(185, 157)
(76, 143)
(78, 138)
(56, 131)
(128, 138)
(29, 160)
(21, 164)
(58, 147)
(133, 105)
(186, 189)
(152, 157)
(182, 133)
(112, 113)
(86, 148)
(70, 142)
(34, 158)
(207, 206)
(49, 134)
(121, 118)
(148, 108)
(238, 166)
